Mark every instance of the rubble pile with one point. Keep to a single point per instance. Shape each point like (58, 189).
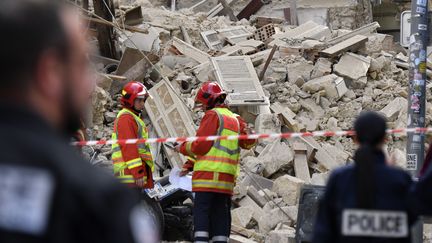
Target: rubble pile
(317, 77)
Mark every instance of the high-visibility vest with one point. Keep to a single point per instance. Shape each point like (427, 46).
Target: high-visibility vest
(224, 155)
(119, 165)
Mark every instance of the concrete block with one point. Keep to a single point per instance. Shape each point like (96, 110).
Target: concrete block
(267, 124)
(288, 187)
(391, 110)
(256, 196)
(320, 179)
(318, 84)
(322, 67)
(275, 157)
(270, 220)
(339, 155)
(354, 67)
(104, 82)
(281, 236)
(257, 211)
(242, 216)
(239, 239)
(299, 70)
(286, 116)
(310, 105)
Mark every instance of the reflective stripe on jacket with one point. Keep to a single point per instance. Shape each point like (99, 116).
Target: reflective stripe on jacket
(121, 167)
(222, 159)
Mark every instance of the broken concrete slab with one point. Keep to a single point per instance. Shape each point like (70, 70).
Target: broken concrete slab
(325, 159)
(104, 82)
(299, 70)
(352, 44)
(281, 236)
(267, 124)
(242, 216)
(257, 211)
(256, 196)
(257, 181)
(301, 167)
(320, 179)
(190, 51)
(311, 106)
(340, 156)
(239, 239)
(392, 110)
(288, 187)
(353, 67)
(379, 42)
(286, 116)
(275, 156)
(323, 66)
(269, 220)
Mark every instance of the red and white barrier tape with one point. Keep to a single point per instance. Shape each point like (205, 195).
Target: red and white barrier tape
(242, 137)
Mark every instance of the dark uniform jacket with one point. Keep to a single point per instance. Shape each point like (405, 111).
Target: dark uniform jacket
(421, 194)
(392, 192)
(49, 194)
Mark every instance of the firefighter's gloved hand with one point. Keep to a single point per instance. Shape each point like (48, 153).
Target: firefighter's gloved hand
(184, 172)
(177, 148)
(140, 182)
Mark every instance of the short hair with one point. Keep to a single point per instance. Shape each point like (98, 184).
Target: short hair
(28, 28)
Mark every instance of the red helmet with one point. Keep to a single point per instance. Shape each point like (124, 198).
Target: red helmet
(208, 94)
(131, 91)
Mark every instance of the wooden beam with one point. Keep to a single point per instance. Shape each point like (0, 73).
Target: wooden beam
(111, 24)
(269, 59)
(293, 13)
(250, 9)
(186, 36)
(228, 10)
(105, 33)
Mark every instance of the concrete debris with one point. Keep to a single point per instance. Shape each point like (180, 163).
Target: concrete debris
(240, 239)
(281, 236)
(323, 66)
(301, 167)
(242, 216)
(392, 110)
(275, 216)
(299, 70)
(355, 68)
(288, 187)
(324, 71)
(275, 157)
(320, 179)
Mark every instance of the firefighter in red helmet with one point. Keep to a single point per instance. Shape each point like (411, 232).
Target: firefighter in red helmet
(215, 165)
(132, 163)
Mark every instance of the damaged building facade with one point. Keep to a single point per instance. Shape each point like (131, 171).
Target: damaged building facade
(296, 66)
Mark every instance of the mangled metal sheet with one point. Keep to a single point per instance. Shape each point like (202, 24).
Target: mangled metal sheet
(238, 77)
(170, 117)
(215, 39)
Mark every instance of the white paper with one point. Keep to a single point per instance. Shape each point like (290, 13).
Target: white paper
(182, 182)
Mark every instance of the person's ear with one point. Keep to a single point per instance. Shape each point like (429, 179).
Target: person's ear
(49, 76)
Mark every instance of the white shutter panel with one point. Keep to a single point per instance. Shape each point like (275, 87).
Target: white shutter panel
(238, 78)
(170, 117)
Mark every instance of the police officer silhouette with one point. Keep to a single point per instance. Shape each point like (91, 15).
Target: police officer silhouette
(366, 201)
